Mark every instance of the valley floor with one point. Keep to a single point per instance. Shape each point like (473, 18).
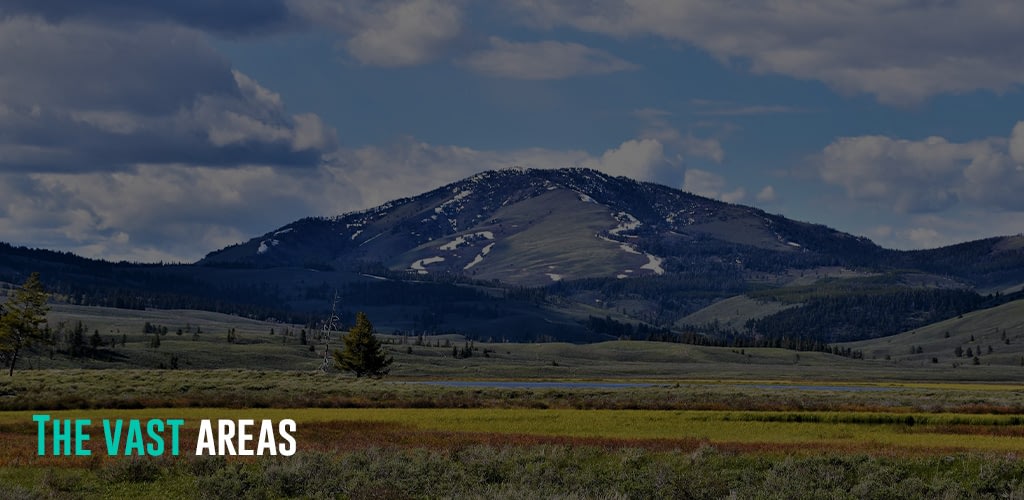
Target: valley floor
(623, 419)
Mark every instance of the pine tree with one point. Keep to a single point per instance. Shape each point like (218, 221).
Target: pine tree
(21, 322)
(363, 354)
(95, 341)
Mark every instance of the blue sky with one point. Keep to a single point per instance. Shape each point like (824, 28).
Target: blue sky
(153, 130)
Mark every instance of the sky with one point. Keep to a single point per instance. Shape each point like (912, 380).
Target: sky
(148, 130)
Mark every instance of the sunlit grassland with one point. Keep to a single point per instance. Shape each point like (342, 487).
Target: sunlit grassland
(256, 347)
(995, 335)
(95, 389)
(879, 432)
(714, 422)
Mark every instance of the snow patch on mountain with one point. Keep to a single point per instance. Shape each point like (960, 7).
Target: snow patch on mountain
(266, 245)
(452, 245)
(626, 223)
(479, 257)
(418, 266)
(465, 239)
(378, 235)
(654, 264)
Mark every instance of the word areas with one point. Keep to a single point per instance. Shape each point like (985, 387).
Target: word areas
(243, 438)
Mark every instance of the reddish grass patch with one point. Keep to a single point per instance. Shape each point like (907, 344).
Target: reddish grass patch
(20, 442)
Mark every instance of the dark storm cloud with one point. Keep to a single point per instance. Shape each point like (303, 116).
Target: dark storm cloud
(80, 96)
(147, 69)
(228, 17)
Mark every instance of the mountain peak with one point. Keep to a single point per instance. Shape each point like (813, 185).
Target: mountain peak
(535, 227)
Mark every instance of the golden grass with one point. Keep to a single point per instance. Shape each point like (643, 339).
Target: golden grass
(333, 429)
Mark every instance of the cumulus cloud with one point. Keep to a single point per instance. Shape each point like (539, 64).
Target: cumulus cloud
(636, 158)
(1017, 143)
(925, 176)
(148, 212)
(766, 195)
(179, 212)
(547, 60)
(901, 51)
(658, 126)
(389, 33)
(375, 32)
(137, 140)
(415, 166)
(935, 230)
(76, 96)
(711, 185)
(405, 33)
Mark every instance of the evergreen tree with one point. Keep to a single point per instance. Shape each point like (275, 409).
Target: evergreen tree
(77, 341)
(95, 341)
(21, 322)
(363, 354)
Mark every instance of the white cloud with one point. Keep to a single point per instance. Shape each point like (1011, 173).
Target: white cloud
(735, 196)
(547, 60)
(935, 230)
(924, 237)
(311, 133)
(766, 195)
(926, 176)
(636, 158)
(708, 147)
(657, 125)
(153, 212)
(899, 51)
(388, 33)
(175, 212)
(1017, 143)
(711, 185)
(415, 167)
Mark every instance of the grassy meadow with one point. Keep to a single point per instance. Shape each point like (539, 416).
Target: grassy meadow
(204, 344)
(995, 336)
(514, 453)
(700, 422)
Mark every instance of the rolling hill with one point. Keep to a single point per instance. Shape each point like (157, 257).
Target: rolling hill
(569, 254)
(994, 336)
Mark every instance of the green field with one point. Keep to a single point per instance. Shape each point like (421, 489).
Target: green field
(707, 421)
(255, 347)
(837, 430)
(511, 453)
(995, 335)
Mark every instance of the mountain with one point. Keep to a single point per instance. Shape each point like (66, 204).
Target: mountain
(535, 227)
(570, 254)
